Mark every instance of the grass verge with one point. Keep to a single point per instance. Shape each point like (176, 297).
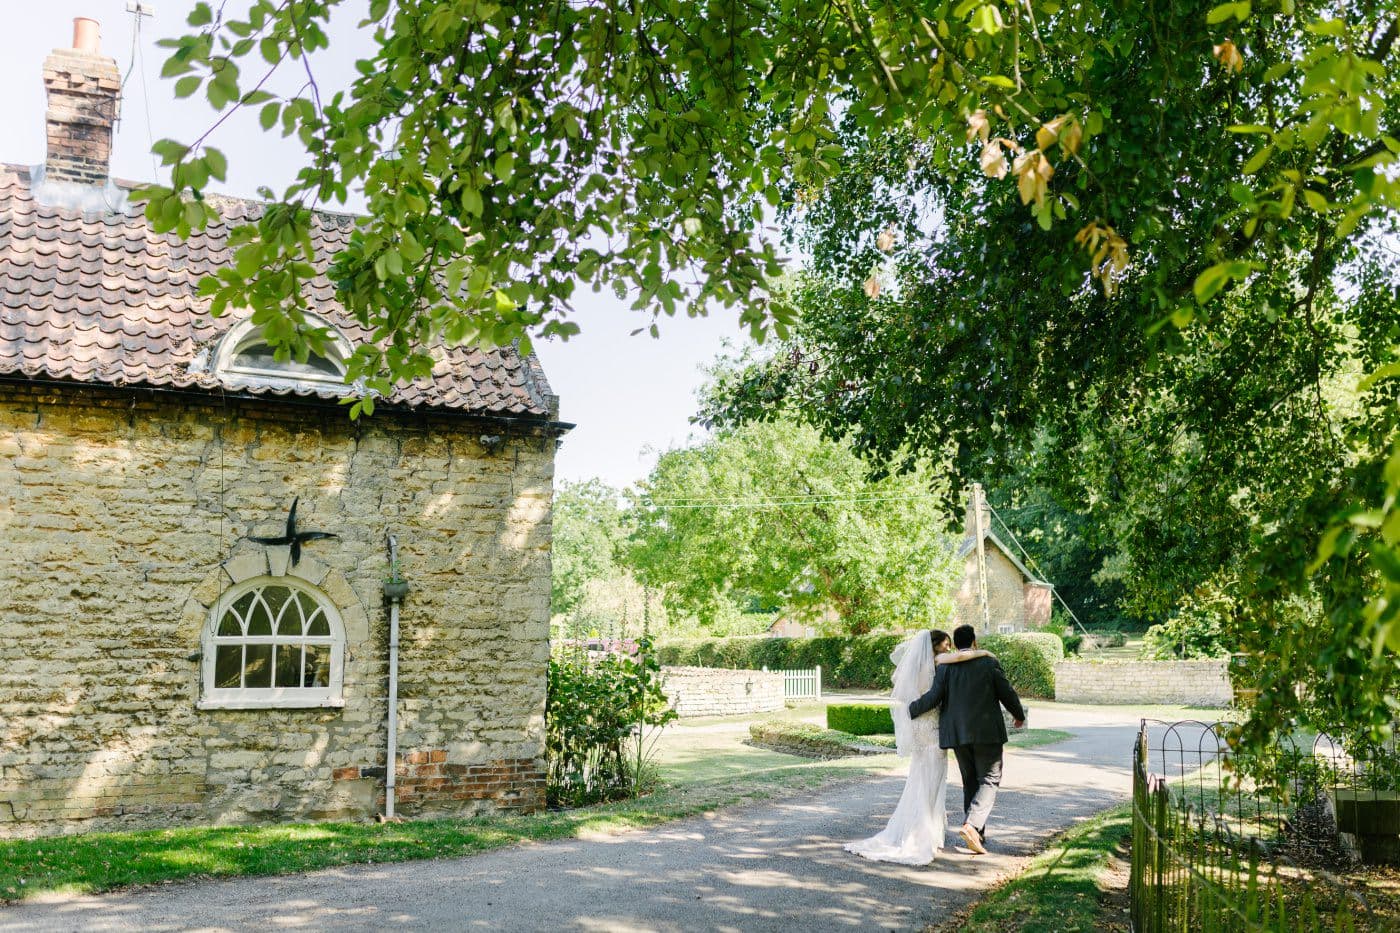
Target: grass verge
(103, 861)
(1064, 889)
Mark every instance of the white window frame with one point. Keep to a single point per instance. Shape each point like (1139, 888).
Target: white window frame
(245, 334)
(273, 697)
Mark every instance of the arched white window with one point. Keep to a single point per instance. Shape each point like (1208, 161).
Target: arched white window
(245, 356)
(273, 642)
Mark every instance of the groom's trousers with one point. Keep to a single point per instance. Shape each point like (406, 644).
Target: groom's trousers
(980, 766)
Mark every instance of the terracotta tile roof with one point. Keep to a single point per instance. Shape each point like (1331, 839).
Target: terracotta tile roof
(102, 298)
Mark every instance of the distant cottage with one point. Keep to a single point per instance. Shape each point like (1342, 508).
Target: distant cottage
(157, 664)
(1014, 599)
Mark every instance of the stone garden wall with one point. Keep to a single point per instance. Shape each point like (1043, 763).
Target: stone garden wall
(708, 691)
(125, 515)
(1187, 683)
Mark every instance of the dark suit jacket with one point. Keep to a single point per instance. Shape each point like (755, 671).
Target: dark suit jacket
(968, 694)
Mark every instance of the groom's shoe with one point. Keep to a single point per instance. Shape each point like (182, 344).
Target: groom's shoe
(973, 838)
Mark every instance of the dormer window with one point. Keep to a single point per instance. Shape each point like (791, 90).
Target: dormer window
(246, 356)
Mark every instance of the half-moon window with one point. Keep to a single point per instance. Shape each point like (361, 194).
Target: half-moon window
(247, 356)
(260, 356)
(273, 642)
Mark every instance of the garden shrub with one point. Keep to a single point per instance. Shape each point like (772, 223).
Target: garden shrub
(860, 719)
(1029, 659)
(863, 661)
(593, 706)
(1196, 631)
(809, 741)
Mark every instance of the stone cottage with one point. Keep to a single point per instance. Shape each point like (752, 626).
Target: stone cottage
(159, 664)
(1014, 599)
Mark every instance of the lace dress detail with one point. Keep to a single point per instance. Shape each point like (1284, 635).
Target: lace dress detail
(924, 730)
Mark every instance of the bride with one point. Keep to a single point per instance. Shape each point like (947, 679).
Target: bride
(914, 834)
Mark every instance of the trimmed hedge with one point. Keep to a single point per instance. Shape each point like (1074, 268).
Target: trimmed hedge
(863, 661)
(860, 719)
(1029, 659)
(809, 741)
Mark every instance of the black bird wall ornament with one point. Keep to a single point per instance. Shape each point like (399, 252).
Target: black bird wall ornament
(293, 537)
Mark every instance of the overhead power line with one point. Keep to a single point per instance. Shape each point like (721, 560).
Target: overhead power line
(1036, 567)
(777, 502)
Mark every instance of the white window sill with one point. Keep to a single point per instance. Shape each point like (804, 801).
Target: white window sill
(272, 703)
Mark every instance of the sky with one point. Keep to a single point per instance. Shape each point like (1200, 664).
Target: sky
(630, 397)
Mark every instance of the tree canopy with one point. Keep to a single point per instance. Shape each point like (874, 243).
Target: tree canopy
(510, 153)
(1204, 396)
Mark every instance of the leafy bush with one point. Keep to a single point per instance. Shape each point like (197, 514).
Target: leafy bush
(860, 719)
(863, 661)
(1029, 659)
(1196, 631)
(594, 706)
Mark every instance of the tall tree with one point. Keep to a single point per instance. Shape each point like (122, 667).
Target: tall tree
(775, 512)
(588, 539)
(1213, 421)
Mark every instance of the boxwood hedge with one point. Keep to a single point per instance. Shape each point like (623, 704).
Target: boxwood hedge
(860, 719)
(863, 661)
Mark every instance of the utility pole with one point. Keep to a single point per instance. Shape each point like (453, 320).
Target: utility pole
(980, 529)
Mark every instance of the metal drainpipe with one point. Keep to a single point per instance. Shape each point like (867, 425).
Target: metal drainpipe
(391, 757)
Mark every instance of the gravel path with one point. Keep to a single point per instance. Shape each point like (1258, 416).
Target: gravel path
(766, 866)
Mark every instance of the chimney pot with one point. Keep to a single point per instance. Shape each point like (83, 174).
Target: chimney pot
(86, 35)
(83, 86)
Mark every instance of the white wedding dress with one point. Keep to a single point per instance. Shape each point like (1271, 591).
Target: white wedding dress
(914, 834)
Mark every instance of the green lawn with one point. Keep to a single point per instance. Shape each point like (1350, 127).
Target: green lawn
(102, 861)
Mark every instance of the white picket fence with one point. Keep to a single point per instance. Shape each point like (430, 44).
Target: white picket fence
(802, 685)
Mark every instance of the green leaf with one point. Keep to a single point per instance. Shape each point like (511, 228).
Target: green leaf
(1379, 374)
(187, 85)
(1327, 27)
(1325, 549)
(1209, 282)
(1224, 11)
(218, 165)
(504, 167)
(1256, 161)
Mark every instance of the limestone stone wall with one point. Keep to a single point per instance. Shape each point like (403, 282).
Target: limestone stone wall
(125, 513)
(1188, 683)
(708, 691)
(1006, 594)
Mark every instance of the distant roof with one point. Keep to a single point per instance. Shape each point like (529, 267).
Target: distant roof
(970, 542)
(99, 297)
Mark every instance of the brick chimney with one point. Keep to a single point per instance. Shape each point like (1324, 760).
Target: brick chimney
(83, 87)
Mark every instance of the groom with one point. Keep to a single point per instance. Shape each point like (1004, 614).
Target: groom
(971, 725)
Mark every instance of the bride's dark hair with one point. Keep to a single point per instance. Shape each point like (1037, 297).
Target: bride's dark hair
(939, 637)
